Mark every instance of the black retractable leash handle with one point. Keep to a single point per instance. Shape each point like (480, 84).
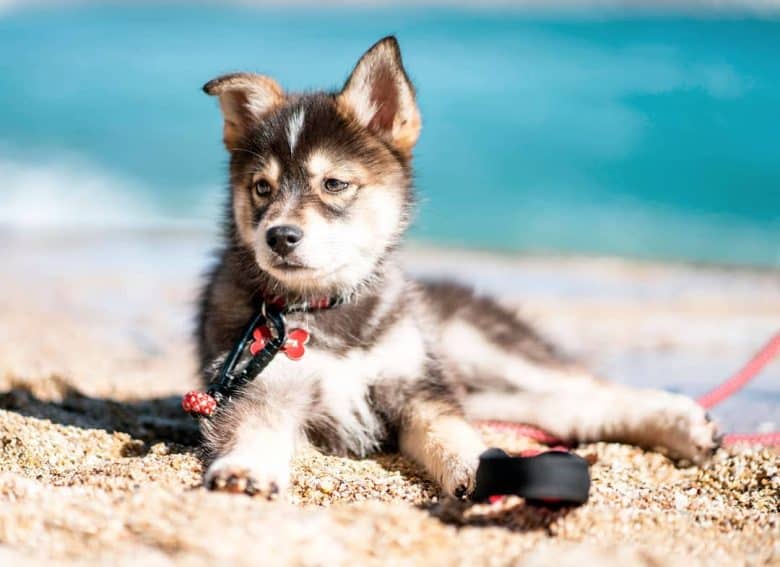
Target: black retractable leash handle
(553, 477)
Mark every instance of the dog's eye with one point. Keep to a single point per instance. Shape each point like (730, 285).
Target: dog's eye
(262, 187)
(335, 185)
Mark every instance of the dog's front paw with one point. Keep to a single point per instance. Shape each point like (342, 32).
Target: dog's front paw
(458, 476)
(687, 430)
(232, 475)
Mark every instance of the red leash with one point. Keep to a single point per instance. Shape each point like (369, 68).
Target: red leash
(741, 378)
(524, 430)
(708, 400)
(736, 383)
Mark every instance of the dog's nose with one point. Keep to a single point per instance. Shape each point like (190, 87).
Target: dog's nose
(284, 238)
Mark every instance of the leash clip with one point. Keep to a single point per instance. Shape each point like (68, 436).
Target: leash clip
(204, 404)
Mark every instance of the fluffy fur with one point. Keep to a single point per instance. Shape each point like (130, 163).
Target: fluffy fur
(401, 362)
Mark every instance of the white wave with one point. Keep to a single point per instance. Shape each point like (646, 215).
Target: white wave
(72, 194)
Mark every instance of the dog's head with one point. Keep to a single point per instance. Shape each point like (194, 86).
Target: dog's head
(321, 183)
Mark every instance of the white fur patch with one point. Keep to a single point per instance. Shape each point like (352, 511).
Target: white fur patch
(262, 454)
(345, 380)
(318, 164)
(476, 355)
(294, 128)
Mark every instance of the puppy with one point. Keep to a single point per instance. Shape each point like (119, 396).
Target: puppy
(320, 196)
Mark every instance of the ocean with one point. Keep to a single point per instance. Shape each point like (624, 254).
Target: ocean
(646, 136)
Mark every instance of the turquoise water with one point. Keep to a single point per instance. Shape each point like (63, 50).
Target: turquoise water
(647, 136)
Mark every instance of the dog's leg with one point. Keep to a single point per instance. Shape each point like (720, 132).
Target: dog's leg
(513, 374)
(250, 444)
(590, 410)
(436, 435)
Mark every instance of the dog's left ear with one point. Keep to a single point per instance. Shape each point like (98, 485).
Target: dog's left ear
(379, 95)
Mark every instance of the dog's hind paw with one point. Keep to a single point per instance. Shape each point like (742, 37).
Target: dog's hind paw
(688, 432)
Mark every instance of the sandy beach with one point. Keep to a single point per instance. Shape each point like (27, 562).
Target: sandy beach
(98, 464)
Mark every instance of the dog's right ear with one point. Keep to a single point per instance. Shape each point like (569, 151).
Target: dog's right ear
(245, 98)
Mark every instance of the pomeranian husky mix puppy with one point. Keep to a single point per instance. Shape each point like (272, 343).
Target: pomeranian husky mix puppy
(320, 196)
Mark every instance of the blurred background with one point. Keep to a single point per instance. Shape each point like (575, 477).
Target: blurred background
(612, 169)
(652, 132)
(608, 169)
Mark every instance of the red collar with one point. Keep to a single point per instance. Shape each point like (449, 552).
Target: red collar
(281, 303)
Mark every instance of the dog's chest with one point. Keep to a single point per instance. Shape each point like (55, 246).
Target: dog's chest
(336, 385)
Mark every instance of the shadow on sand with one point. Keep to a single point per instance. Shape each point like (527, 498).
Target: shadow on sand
(151, 420)
(515, 515)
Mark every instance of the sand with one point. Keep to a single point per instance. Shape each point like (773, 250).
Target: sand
(98, 465)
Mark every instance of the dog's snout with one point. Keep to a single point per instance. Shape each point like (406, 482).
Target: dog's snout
(284, 238)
